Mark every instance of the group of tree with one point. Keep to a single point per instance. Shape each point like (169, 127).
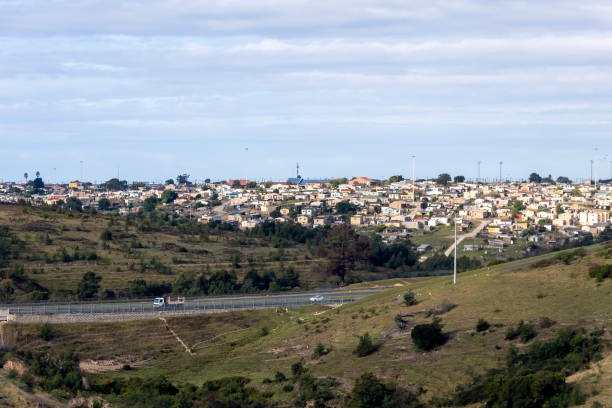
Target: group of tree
(536, 178)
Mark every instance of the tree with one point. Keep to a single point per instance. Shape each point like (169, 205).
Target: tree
(149, 204)
(168, 196)
(38, 183)
(169, 181)
(459, 179)
(343, 248)
(365, 346)
(443, 179)
(535, 178)
(346, 208)
(236, 184)
(428, 336)
(251, 184)
(207, 181)
(548, 179)
(73, 204)
(183, 179)
(563, 180)
(88, 286)
(104, 204)
(396, 179)
(25, 176)
(115, 184)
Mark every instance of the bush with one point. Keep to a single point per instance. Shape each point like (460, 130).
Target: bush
(370, 392)
(600, 272)
(365, 346)
(264, 331)
(280, 377)
(410, 298)
(320, 351)
(12, 374)
(482, 325)
(288, 387)
(45, 332)
(525, 331)
(401, 322)
(106, 235)
(428, 336)
(297, 369)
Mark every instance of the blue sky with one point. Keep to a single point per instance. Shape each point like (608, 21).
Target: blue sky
(150, 89)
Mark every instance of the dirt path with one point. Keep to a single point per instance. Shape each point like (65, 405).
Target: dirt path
(187, 349)
(470, 234)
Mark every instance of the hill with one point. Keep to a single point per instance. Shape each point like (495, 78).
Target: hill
(549, 295)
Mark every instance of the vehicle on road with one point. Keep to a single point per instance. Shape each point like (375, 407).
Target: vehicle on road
(316, 299)
(160, 302)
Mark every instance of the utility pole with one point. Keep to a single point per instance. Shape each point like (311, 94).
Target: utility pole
(246, 164)
(413, 179)
(500, 171)
(81, 171)
(595, 167)
(455, 261)
(478, 162)
(297, 170)
(592, 170)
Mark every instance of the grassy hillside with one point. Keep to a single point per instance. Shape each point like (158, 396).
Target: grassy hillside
(549, 296)
(56, 249)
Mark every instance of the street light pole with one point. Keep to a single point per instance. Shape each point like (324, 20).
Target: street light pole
(413, 166)
(455, 261)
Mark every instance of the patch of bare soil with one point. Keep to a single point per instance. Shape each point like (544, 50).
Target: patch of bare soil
(101, 366)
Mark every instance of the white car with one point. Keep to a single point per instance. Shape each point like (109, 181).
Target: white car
(159, 302)
(316, 299)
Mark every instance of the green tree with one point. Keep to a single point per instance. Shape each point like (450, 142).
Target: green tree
(115, 184)
(183, 179)
(343, 248)
(73, 204)
(88, 286)
(149, 204)
(365, 346)
(169, 181)
(443, 179)
(104, 204)
(428, 336)
(396, 179)
(168, 196)
(563, 180)
(535, 178)
(459, 179)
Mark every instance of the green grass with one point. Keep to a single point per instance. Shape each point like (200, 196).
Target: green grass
(563, 293)
(45, 232)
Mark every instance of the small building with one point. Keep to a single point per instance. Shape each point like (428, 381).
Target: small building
(424, 248)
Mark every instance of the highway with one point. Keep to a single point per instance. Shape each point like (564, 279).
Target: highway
(201, 304)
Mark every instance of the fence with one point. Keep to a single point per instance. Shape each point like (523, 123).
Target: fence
(209, 304)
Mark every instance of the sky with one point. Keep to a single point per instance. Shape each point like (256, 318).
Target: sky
(220, 89)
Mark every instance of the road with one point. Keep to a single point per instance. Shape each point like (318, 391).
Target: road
(203, 304)
(470, 234)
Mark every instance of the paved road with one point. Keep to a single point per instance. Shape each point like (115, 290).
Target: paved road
(208, 303)
(470, 234)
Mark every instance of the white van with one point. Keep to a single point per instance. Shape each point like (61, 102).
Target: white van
(159, 302)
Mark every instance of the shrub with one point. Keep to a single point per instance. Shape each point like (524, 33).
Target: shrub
(525, 331)
(12, 374)
(45, 333)
(371, 392)
(264, 331)
(600, 272)
(365, 346)
(106, 235)
(410, 298)
(280, 377)
(297, 369)
(428, 336)
(320, 350)
(288, 387)
(482, 325)
(401, 322)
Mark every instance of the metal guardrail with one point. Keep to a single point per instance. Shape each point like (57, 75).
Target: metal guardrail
(241, 303)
